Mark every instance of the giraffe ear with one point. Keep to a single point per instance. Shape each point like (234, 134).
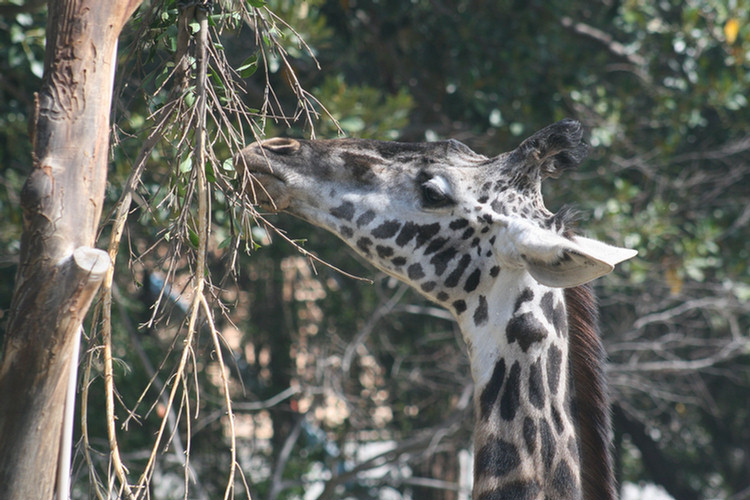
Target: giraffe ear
(556, 261)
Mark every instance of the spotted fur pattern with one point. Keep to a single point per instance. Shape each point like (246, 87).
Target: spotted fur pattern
(435, 216)
(527, 397)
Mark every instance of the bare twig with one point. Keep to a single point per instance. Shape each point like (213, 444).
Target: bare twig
(114, 241)
(270, 402)
(85, 383)
(694, 304)
(283, 458)
(604, 38)
(407, 446)
(63, 472)
(178, 448)
(728, 351)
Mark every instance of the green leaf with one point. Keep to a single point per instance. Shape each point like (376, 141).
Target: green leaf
(37, 67)
(215, 78)
(228, 165)
(210, 174)
(193, 237)
(248, 67)
(189, 98)
(256, 3)
(162, 77)
(225, 243)
(186, 165)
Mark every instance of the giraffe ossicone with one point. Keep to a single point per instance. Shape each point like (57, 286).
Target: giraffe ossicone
(472, 234)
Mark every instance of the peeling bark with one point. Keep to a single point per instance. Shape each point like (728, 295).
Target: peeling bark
(59, 271)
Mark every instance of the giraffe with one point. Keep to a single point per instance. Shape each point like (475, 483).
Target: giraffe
(472, 234)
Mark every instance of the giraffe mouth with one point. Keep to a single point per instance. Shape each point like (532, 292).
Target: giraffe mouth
(268, 190)
(259, 181)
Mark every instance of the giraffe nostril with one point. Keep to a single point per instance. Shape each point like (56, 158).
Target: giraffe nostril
(280, 145)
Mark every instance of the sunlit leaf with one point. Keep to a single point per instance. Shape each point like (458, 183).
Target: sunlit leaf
(189, 99)
(731, 30)
(248, 67)
(186, 165)
(228, 165)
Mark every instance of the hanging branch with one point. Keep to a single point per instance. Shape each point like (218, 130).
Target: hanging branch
(186, 126)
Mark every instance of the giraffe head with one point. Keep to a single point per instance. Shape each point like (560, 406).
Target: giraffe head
(436, 215)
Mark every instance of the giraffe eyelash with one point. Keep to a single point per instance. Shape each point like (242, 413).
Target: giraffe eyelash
(435, 193)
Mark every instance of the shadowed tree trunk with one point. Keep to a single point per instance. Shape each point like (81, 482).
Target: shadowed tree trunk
(660, 469)
(59, 270)
(443, 467)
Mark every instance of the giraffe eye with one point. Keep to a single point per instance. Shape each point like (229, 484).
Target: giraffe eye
(435, 193)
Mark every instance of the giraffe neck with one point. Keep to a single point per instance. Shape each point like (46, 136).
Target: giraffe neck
(525, 442)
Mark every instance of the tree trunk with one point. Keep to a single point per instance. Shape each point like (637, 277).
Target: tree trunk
(59, 270)
(657, 466)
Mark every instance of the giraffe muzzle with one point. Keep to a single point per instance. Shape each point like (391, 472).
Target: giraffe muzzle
(259, 177)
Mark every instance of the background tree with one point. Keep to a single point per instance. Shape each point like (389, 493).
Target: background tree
(341, 388)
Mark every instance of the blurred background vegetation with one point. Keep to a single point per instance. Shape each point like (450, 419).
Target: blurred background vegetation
(349, 389)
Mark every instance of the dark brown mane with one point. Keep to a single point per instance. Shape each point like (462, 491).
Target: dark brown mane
(591, 395)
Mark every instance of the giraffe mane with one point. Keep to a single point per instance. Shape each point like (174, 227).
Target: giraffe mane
(591, 395)
(564, 220)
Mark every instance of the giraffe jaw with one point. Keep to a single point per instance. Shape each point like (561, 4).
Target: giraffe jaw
(265, 185)
(268, 191)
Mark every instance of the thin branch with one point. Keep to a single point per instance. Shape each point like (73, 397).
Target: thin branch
(178, 375)
(689, 305)
(311, 255)
(730, 350)
(179, 449)
(407, 446)
(383, 309)
(100, 492)
(227, 399)
(66, 444)
(114, 241)
(605, 39)
(270, 402)
(283, 458)
(119, 467)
